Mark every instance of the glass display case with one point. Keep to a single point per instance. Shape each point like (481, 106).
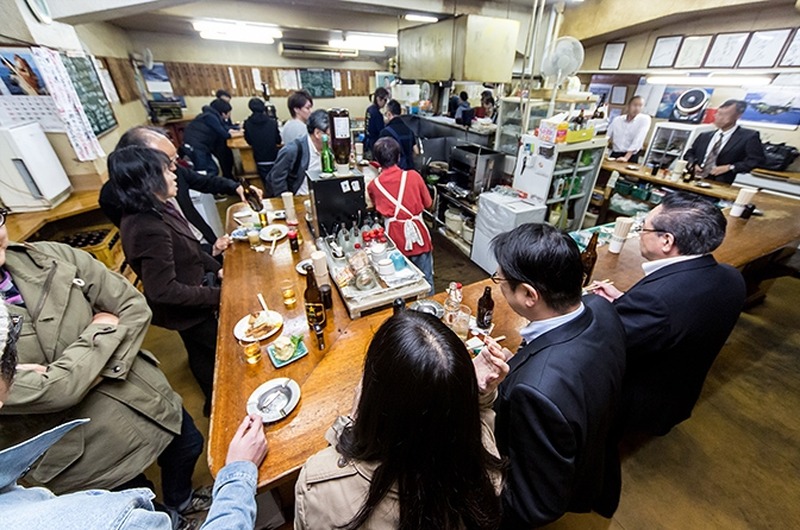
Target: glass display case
(671, 140)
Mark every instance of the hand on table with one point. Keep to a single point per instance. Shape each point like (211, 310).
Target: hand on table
(220, 245)
(605, 290)
(491, 366)
(105, 318)
(249, 443)
(32, 367)
(236, 133)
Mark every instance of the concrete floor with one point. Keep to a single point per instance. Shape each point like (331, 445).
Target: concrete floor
(733, 465)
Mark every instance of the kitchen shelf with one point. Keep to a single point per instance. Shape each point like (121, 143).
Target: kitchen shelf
(460, 243)
(555, 200)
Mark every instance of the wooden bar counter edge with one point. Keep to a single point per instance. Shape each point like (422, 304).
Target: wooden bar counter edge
(328, 378)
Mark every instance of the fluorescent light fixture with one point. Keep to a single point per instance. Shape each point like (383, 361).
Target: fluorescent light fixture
(374, 42)
(709, 81)
(421, 18)
(234, 30)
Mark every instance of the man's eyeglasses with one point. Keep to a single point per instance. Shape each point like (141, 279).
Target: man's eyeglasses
(638, 228)
(498, 279)
(3, 214)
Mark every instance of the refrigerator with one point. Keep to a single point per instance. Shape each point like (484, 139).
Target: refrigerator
(498, 213)
(33, 178)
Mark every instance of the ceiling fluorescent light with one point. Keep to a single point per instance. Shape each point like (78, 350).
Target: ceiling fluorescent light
(709, 81)
(232, 30)
(376, 42)
(351, 45)
(421, 18)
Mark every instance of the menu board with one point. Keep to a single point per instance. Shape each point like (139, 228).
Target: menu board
(318, 82)
(90, 93)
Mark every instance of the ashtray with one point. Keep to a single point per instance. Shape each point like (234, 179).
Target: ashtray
(274, 400)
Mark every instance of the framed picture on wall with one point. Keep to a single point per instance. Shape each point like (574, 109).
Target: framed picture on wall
(763, 48)
(612, 56)
(725, 50)
(792, 55)
(619, 95)
(693, 51)
(665, 51)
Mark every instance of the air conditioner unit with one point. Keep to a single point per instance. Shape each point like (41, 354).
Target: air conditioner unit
(315, 51)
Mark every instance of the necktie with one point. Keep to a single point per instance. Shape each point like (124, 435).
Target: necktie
(711, 158)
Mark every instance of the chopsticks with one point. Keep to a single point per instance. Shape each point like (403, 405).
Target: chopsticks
(262, 302)
(272, 248)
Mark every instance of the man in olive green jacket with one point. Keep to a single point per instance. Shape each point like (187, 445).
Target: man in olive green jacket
(80, 357)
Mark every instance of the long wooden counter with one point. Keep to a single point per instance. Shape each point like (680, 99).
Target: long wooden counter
(328, 378)
(718, 190)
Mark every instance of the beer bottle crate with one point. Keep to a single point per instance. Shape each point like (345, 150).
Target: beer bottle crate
(101, 241)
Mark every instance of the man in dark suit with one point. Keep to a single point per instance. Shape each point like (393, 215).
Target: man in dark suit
(156, 138)
(397, 129)
(730, 149)
(297, 157)
(557, 406)
(678, 316)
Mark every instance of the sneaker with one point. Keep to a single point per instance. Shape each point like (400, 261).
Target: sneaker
(180, 522)
(200, 501)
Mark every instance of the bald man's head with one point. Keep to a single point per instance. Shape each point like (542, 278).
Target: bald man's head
(152, 137)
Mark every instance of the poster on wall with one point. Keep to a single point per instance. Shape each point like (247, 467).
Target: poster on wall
(670, 97)
(158, 84)
(385, 80)
(19, 73)
(777, 107)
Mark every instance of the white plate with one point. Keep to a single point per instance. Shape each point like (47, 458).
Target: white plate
(240, 234)
(247, 212)
(278, 214)
(264, 234)
(241, 327)
(263, 401)
(300, 267)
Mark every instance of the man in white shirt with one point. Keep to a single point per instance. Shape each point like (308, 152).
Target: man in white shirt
(678, 317)
(627, 132)
(300, 105)
(557, 406)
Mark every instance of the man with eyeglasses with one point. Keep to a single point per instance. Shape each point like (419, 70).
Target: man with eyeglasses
(557, 406)
(678, 317)
(188, 179)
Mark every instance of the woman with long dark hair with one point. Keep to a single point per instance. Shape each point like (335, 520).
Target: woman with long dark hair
(419, 452)
(180, 280)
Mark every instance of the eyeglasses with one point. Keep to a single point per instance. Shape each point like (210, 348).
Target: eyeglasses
(639, 228)
(3, 214)
(498, 279)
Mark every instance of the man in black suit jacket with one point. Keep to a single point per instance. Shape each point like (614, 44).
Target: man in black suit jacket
(678, 317)
(728, 150)
(188, 179)
(557, 406)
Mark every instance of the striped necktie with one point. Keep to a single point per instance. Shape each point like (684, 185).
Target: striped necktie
(711, 158)
(9, 290)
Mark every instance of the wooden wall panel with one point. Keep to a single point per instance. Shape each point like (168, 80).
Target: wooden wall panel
(122, 74)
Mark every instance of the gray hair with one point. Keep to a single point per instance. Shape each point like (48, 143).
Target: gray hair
(695, 222)
(318, 120)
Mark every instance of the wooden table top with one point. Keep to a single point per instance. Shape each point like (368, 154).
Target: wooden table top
(718, 190)
(327, 379)
(21, 226)
(238, 142)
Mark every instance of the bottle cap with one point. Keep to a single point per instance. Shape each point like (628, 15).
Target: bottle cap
(357, 246)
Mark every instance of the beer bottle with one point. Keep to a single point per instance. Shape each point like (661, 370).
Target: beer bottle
(588, 259)
(326, 157)
(250, 195)
(315, 309)
(398, 305)
(340, 137)
(485, 309)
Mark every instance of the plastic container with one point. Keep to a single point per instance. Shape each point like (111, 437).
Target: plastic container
(467, 232)
(102, 242)
(453, 220)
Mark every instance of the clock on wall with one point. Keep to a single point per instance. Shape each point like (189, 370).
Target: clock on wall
(40, 10)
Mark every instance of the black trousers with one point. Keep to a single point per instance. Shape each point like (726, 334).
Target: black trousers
(200, 341)
(633, 159)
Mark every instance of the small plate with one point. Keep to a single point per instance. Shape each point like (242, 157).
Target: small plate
(703, 185)
(278, 214)
(247, 212)
(632, 167)
(274, 400)
(240, 234)
(430, 306)
(265, 233)
(300, 267)
(241, 327)
(300, 351)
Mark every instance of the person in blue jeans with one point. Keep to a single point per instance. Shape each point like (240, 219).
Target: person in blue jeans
(233, 507)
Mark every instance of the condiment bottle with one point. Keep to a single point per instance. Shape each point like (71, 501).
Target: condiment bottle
(293, 243)
(589, 258)
(485, 309)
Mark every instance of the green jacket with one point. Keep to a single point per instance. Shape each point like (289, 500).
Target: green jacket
(94, 371)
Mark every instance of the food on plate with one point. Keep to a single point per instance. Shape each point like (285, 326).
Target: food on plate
(272, 234)
(285, 347)
(261, 322)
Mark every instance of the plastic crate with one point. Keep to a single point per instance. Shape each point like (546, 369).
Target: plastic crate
(581, 135)
(102, 242)
(623, 187)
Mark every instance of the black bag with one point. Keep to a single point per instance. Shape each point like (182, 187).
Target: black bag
(779, 156)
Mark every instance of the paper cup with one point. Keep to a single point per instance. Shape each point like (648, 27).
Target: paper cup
(745, 196)
(737, 210)
(616, 244)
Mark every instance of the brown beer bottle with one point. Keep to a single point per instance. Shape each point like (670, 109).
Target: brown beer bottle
(485, 309)
(588, 259)
(250, 195)
(315, 309)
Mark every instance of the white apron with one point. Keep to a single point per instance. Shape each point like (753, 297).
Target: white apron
(411, 231)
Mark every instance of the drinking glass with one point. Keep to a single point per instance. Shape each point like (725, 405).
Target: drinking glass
(461, 322)
(289, 293)
(251, 351)
(252, 237)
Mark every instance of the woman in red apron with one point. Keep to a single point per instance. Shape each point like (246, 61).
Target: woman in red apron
(400, 197)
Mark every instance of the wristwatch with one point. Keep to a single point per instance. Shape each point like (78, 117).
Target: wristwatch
(731, 167)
